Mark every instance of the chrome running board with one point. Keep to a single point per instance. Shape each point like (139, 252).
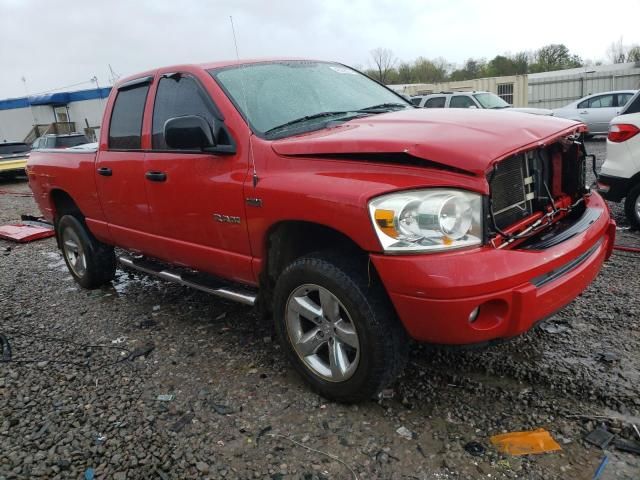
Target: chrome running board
(198, 281)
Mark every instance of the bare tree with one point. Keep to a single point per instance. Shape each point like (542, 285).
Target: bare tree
(617, 52)
(384, 62)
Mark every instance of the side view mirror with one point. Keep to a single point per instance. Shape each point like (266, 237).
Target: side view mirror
(189, 132)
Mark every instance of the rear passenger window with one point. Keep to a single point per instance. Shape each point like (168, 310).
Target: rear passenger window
(461, 101)
(125, 128)
(436, 102)
(179, 95)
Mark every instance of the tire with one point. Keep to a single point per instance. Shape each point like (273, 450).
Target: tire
(90, 262)
(632, 207)
(357, 324)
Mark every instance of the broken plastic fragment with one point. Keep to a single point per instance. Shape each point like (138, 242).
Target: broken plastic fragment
(166, 397)
(525, 443)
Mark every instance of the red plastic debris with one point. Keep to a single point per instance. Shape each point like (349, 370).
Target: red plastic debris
(24, 233)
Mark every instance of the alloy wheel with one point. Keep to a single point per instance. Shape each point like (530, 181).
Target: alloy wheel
(322, 333)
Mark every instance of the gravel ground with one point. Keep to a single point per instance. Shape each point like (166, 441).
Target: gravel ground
(72, 398)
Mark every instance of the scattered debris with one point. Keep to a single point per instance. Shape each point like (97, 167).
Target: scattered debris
(333, 457)
(147, 323)
(35, 221)
(222, 409)
(221, 316)
(22, 233)
(475, 448)
(636, 430)
(89, 474)
(6, 348)
(630, 446)
(156, 308)
(608, 357)
(166, 397)
(525, 443)
(100, 439)
(262, 432)
(404, 432)
(600, 437)
(554, 327)
(601, 468)
(142, 351)
(386, 393)
(119, 340)
(182, 422)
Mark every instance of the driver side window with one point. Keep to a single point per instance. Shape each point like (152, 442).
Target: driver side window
(179, 95)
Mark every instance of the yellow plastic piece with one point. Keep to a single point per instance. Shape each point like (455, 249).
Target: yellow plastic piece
(525, 443)
(384, 219)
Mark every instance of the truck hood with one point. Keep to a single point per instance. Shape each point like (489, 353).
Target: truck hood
(532, 110)
(465, 140)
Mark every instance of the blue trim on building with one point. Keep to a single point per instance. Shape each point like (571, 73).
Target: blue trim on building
(61, 98)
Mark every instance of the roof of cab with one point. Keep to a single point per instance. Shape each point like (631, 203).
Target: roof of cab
(212, 65)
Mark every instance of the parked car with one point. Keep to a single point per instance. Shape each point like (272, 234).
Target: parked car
(354, 219)
(64, 140)
(619, 177)
(13, 158)
(474, 99)
(597, 110)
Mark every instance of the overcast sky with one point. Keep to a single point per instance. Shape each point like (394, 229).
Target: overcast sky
(59, 43)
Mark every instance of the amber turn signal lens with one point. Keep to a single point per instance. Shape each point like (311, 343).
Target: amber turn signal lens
(384, 219)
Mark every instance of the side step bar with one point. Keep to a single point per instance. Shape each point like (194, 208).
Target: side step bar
(194, 280)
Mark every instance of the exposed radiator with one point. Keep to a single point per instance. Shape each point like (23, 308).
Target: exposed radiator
(512, 190)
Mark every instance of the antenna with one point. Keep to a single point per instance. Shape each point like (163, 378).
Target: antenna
(26, 89)
(246, 104)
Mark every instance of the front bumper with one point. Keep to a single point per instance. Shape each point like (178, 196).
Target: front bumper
(11, 166)
(434, 295)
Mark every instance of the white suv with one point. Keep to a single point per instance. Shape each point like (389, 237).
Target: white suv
(620, 174)
(471, 100)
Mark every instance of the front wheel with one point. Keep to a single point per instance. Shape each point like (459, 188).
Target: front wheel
(338, 328)
(632, 206)
(90, 262)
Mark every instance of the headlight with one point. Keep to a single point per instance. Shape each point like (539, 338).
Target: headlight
(433, 219)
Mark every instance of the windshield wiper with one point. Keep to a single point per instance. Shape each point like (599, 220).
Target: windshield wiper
(307, 118)
(383, 106)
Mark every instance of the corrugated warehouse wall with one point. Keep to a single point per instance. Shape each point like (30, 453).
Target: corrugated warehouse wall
(557, 89)
(512, 88)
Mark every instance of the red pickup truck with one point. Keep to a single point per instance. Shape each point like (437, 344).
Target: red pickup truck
(357, 221)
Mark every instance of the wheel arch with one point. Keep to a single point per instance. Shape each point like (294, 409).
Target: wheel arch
(290, 239)
(62, 202)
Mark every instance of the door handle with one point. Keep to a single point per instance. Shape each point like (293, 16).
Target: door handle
(156, 176)
(105, 171)
(583, 112)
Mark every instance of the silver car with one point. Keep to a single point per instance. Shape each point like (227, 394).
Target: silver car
(596, 110)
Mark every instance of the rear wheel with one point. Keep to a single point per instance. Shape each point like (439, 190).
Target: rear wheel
(632, 206)
(90, 262)
(340, 332)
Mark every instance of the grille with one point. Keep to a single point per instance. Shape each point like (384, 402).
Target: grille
(511, 191)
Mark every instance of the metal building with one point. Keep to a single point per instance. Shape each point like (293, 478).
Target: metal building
(27, 118)
(557, 89)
